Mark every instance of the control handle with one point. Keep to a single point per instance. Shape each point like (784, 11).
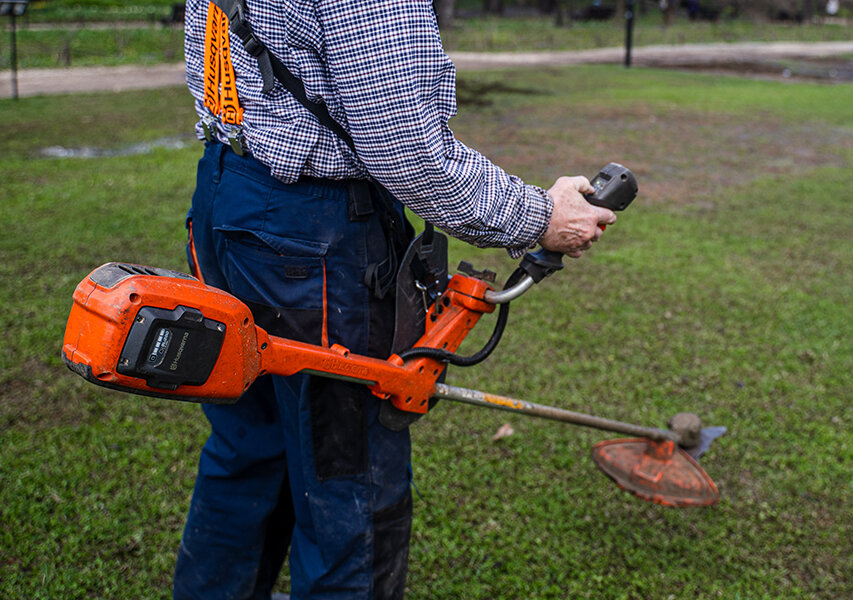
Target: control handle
(615, 188)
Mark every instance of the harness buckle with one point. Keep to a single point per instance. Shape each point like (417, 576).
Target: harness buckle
(235, 138)
(208, 126)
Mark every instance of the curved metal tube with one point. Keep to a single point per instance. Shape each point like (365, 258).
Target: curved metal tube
(502, 297)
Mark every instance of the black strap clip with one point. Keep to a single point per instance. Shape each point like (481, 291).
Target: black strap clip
(236, 13)
(360, 205)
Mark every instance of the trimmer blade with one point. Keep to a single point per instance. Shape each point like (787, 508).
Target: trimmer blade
(656, 471)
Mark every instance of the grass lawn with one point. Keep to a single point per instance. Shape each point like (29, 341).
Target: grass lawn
(540, 33)
(80, 11)
(724, 290)
(145, 44)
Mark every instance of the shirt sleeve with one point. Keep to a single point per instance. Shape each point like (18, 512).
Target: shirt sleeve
(397, 87)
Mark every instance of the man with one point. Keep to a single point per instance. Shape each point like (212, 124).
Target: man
(302, 464)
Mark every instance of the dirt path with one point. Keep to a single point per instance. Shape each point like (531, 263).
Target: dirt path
(34, 82)
(664, 56)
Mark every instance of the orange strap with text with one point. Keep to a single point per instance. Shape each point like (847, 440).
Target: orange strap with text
(220, 90)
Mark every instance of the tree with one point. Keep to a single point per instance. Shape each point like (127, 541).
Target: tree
(444, 10)
(808, 10)
(493, 7)
(563, 14)
(669, 11)
(547, 7)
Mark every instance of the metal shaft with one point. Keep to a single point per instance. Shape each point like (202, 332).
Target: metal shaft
(502, 297)
(478, 398)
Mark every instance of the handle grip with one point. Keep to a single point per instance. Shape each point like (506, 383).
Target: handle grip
(615, 188)
(541, 264)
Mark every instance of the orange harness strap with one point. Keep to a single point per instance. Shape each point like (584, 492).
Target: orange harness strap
(220, 90)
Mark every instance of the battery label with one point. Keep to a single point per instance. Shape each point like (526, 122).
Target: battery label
(159, 347)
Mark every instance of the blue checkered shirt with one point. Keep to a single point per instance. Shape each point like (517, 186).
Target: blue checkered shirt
(379, 67)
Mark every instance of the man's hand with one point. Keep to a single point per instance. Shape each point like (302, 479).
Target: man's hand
(574, 225)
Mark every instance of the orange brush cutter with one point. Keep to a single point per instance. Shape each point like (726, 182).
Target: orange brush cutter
(162, 333)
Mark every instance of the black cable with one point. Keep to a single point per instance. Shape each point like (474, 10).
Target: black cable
(485, 351)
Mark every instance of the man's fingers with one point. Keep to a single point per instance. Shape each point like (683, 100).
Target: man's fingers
(605, 216)
(582, 184)
(575, 223)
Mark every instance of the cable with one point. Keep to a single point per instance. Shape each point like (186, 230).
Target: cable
(485, 351)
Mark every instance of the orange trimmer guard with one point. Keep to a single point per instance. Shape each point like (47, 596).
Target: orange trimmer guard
(657, 471)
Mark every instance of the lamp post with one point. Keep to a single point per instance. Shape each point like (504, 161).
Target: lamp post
(629, 31)
(14, 8)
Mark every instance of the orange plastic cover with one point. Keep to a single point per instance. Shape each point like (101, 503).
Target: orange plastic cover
(108, 300)
(656, 471)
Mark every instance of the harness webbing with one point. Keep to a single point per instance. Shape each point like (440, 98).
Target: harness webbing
(380, 277)
(220, 89)
(235, 10)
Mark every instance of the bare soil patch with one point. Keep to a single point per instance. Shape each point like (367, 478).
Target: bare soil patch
(681, 156)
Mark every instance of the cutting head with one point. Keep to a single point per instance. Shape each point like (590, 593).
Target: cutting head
(656, 471)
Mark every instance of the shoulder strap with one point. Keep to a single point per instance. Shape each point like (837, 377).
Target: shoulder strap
(270, 66)
(295, 87)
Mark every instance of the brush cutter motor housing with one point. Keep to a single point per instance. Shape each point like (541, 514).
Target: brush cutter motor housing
(160, 333)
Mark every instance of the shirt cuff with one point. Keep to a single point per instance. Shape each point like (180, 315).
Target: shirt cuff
(539, 206)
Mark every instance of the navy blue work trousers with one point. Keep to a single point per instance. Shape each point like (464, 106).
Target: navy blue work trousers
(301, 463)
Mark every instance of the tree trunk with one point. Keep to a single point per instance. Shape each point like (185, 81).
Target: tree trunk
(808, 11)
(670, 12)
(563, 14)
(493, 7)
(620, 10)
(444, 13)
(548, 7)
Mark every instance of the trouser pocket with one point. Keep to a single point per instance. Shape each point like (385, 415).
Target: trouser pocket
(281, 279)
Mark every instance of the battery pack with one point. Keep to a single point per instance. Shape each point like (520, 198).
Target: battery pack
(160, 333)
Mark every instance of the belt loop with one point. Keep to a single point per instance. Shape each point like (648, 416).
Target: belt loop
(360, 202)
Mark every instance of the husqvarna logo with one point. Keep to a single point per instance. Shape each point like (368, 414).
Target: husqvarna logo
(176, 360)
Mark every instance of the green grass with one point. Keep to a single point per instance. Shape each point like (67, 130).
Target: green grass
(540, 33)
(99, 121)
(87, 47)
(152, 44)
(80, 11)
(725, 290)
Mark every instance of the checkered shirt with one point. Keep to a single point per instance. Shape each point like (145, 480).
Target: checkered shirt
(379, 67)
